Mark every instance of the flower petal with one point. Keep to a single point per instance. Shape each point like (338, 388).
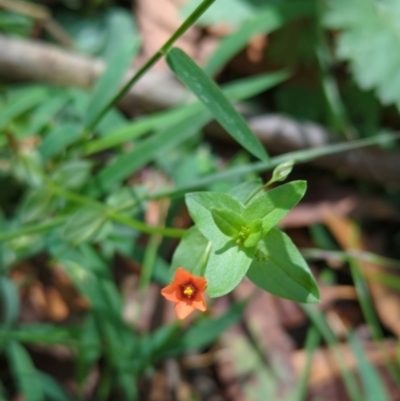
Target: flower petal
(182, 276)
(183, 309)
(200, 283)
(170, 293)
(199, 302)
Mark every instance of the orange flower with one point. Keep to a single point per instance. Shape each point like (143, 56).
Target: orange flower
(186, 291)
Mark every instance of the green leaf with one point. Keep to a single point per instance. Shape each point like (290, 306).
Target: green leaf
(24, 372)
(83, 225)
(52, 388)
(109, 83)
(208, 92)
(145, 151)
(36, 204)
(200, 205)
(280, 269)
(246, 88)
(26, 101)
(59, 139)
(273, 205)
(192, 253)
(252, 240)
(268, 19)
(374, 387)
(45, 113)
(228, 262)
(244, 190)
(136, 129)
(369, 38)
(73, 174)
(229, 222)
(10, 301)
(256, 232)
(121, 29)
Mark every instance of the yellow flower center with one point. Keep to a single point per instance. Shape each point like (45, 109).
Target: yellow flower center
(188, 290)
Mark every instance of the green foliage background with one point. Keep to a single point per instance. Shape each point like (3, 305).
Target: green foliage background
(71, 198)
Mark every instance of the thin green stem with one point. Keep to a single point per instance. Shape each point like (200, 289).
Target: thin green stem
(138, 225)
(157, 56)
(113, 215)
(256, 192)
(148, 262)
(299, 156)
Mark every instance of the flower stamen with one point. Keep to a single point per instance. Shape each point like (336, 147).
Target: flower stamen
(188, 291)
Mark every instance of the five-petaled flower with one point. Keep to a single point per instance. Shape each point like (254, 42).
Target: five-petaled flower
(186, 291)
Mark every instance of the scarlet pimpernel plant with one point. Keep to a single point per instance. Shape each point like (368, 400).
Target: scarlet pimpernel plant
(234, 236)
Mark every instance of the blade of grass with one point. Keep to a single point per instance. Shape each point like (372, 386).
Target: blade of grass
(312, 341)
(365, 300)
(320, 323)
(212, 97)
(144, 152)
(109, 82)
(30, 99)
(374, 388)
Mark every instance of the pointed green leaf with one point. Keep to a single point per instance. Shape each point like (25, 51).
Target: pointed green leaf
(73, 174)
(52, 388)
(227, 263)
(10, 303)
(200, 205)
(245, 189)
(24, 372)
(108, 85)
(253, 239)
(192, 253)
(273, 205)
(36, 204)
(229, 222)
(128, 163)
(213, 98)
(256, 226)
(280, 269)
(59, 139)
(83, 225)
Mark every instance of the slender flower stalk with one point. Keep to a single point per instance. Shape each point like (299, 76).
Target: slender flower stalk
(186, 291)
